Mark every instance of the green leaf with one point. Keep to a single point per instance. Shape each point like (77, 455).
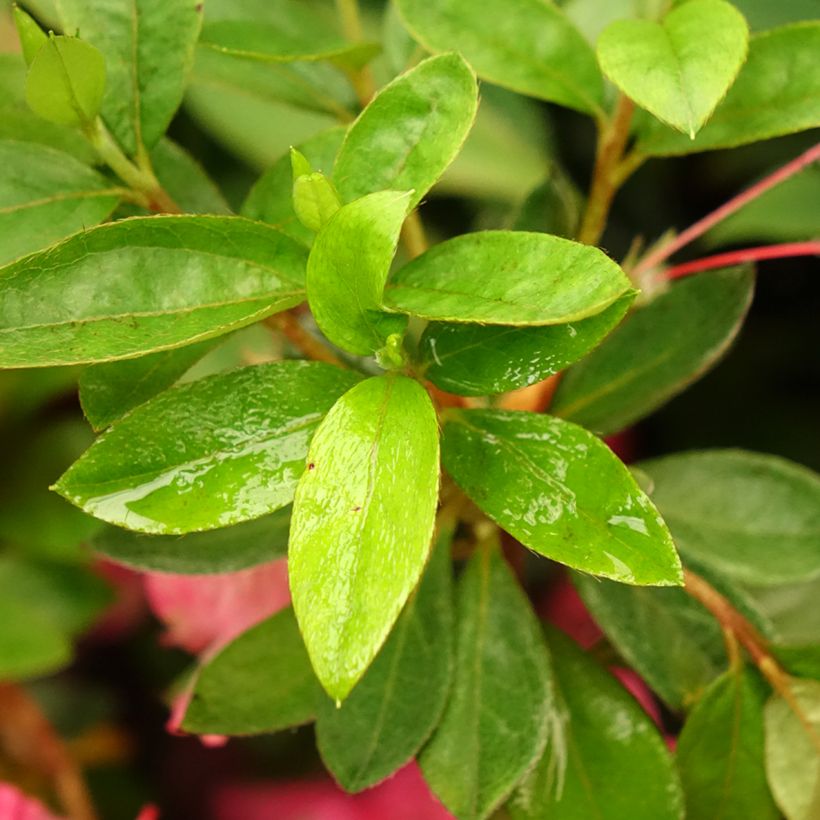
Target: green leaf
(777, 92)
(476, 360)
(802, 661)
(496, 722)
(672, 642)
(527, 46)
(751, 517)
(720, 752)
(678, 69)
(553, 207)
(271, 198)
(207, 454)
(107, 293)
(261, 682)
(66, 81)
(763, 14)
(399, 701)
(45, 195)
(657, 352)
(561, 492)
(590, 769)
(793, 750)
(410, 132)
(148, 47)
(507, 278)
(30, 644)
(32, 37)
(108, 391)
(224, 550)
(347, 269)
(353, 516)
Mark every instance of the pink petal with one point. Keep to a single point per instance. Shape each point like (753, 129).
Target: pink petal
(14, 805)
(564, 608)
(637, 687)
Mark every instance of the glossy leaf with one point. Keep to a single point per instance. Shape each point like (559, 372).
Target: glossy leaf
(680, 68)
(496, 722)
(410, 132)
(45, 195)
(720, 752)
(527, 46)
(347, 269)
(793, 750)
(353, 516)
(480, 360)
(201, 553)
(108, 391)
(751, 517)
(148, 47)
(606, 758)
(399, 701)
(672, 642)
(561, 492)
(66, 81)
(777, 92)
(507, 278)
(261, 682)
(106, 294)
(657, 352)
(271, 198)
(207, 454)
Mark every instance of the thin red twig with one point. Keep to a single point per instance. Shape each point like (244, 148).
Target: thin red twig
(724, 260)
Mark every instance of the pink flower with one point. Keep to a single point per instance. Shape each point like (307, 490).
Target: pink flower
(14, 805)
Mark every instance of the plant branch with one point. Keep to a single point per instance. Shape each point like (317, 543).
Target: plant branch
(351, 22)
(723, 260)
(700, 227)
(605, 177)
(28, 737)
(291, 328)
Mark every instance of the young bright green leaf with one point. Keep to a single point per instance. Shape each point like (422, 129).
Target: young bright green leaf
(271, 198)
(207, 454)
(678, 69)
(751, 517)
(315, 200)
(66, 81)
(261, 682)
(348, 266)
(527, 46)
(590, 769)
(354, 514)
(148, 47)
(793, 750)
(397, 704)
(496, 722)
(224, 550)
(142, 285)
(507, 278)
(108, 391)
(480, 360)
(657, 352)
(561, 492)
(410, 132)
(672, 642)
(45, 195)
(32, 37)
(777, 92)
(720, 752)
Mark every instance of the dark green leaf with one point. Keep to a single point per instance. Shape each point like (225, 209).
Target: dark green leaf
(208, 454)
(261, 682)
(397, 704)
(527, 46)
(802, 661)
(552, 207)
(751, 517)
(561, 492)
(108, 292)
(410, 132)
(480, 360)
(763, 14)
(507, 278)
(607, 759)
(657, 352)
(353, 516)
(496, 722)
(30, 643)
(720, 752)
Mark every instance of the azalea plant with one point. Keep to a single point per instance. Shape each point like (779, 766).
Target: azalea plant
(346, 439)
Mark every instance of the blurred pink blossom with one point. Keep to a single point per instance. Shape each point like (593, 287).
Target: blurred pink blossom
(14, 805)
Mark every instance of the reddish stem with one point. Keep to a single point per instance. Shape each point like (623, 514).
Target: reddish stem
(735, 204)
(724, 260)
